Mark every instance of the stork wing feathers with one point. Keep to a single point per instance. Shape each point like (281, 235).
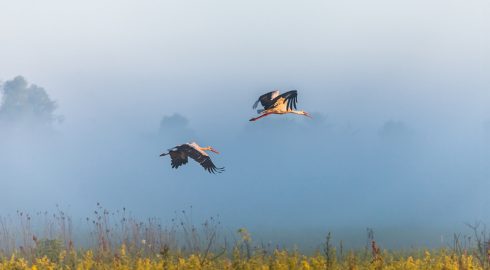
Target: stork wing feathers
(178, 158)
(196, 155)
(266, 99)
(290, 97)
(210, 167)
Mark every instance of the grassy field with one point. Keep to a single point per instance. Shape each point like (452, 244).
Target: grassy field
(115, 240)
(278, 259)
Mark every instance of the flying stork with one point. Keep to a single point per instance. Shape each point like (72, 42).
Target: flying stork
(180, 153)
(274, 103)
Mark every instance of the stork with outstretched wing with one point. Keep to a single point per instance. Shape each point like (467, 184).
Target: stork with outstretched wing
(180, 153)
(275, 103)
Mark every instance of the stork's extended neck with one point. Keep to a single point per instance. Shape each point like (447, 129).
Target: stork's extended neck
(301, 113)
(209, 148)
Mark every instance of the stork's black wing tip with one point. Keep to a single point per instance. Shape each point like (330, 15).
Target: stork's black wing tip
(256, 103)
(215, 170)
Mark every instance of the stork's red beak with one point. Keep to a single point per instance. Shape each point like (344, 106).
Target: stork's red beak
(214, 151)
(308, 115)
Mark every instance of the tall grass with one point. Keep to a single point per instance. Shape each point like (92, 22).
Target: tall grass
(116, 240)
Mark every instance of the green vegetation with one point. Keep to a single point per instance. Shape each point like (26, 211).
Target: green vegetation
(118, 241)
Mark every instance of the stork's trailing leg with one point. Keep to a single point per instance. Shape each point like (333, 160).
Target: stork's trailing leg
(257, 118)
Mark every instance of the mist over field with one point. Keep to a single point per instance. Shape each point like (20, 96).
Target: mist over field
(399, 93)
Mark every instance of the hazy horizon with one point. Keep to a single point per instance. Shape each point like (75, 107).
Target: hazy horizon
(399, 93)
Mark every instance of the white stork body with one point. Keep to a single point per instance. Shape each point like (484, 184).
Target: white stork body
(274, 103)
(180, 153)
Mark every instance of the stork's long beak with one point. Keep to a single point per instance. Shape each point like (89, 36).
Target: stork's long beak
(214, 150)
(308, 115)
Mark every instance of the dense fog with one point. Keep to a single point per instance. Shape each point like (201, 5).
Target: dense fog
(399, 94)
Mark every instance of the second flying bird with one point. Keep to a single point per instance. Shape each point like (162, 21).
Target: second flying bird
(274, 103)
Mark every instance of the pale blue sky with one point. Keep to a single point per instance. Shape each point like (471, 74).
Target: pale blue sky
(117, 67)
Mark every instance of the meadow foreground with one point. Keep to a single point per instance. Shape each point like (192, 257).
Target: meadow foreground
(117, 240)
(239, 259)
